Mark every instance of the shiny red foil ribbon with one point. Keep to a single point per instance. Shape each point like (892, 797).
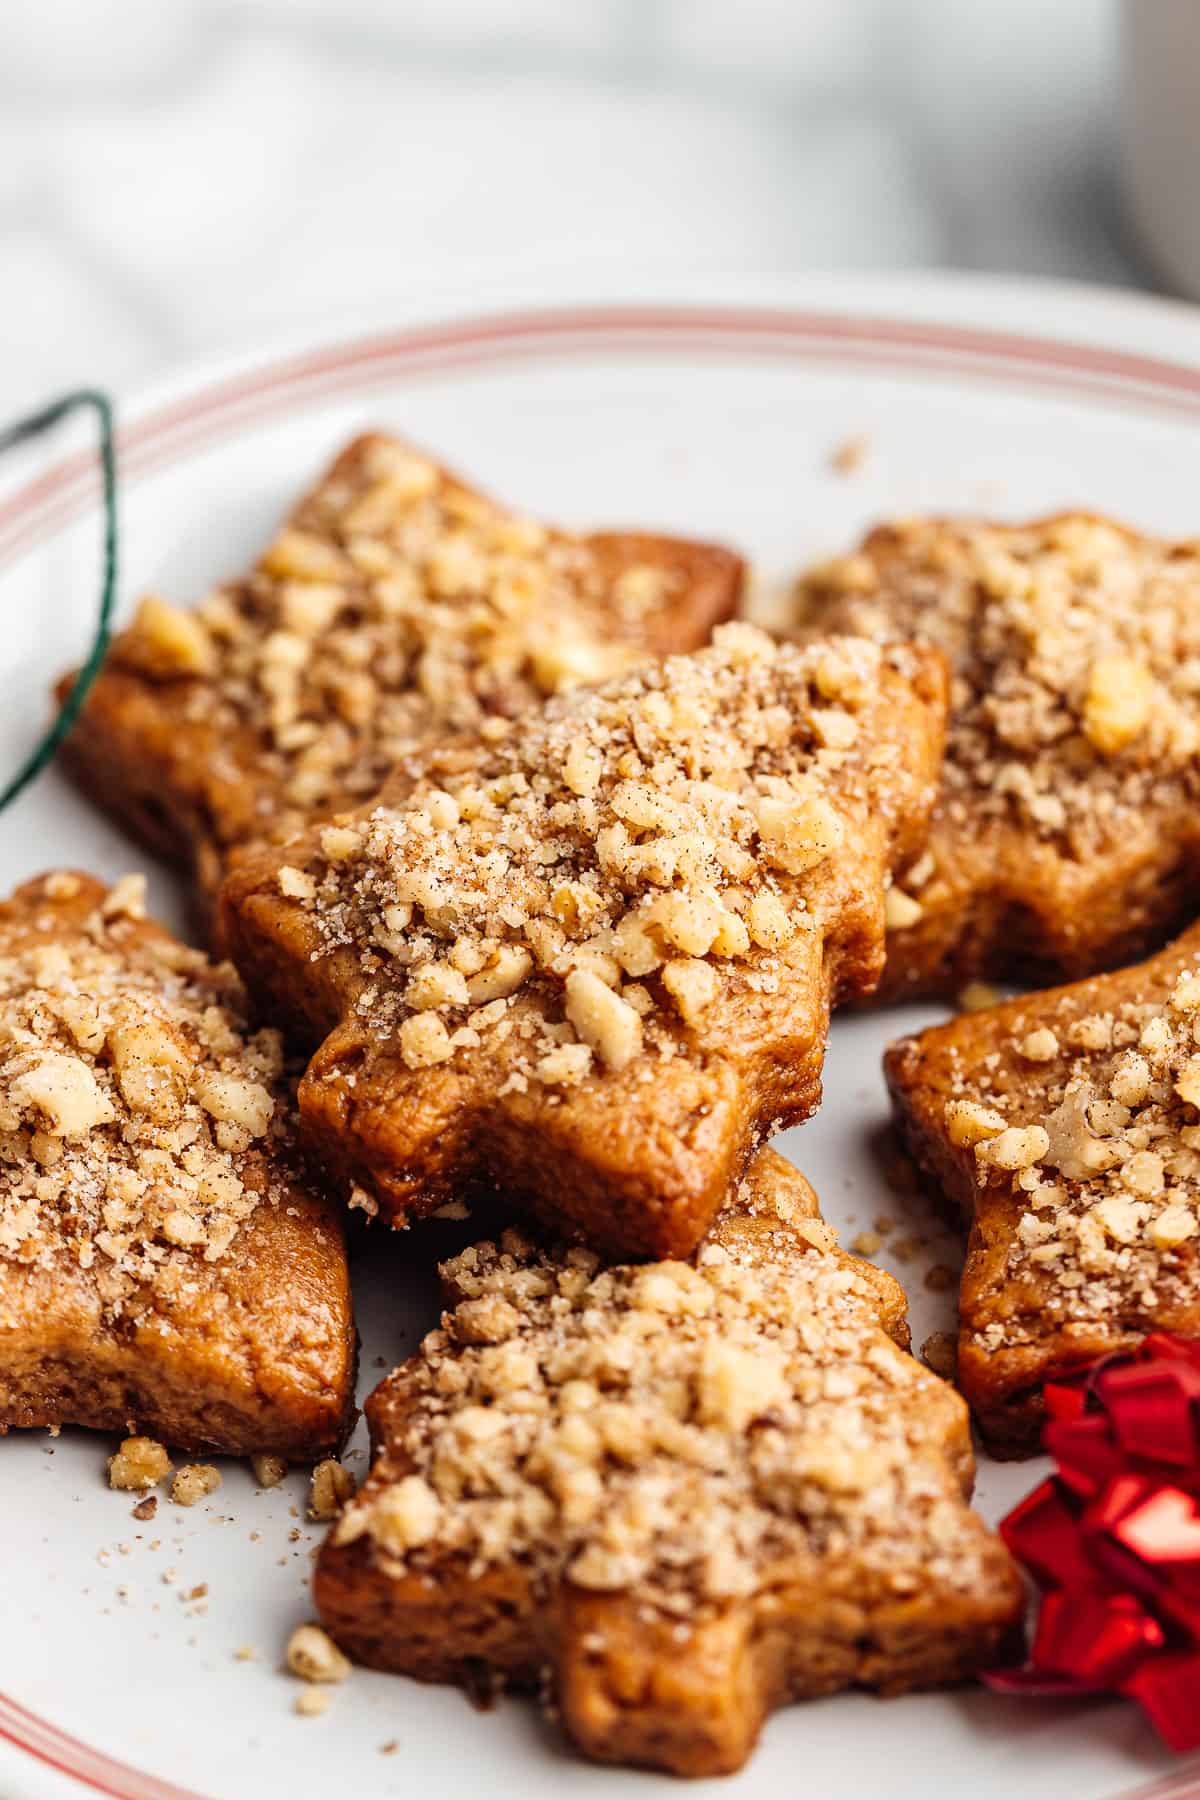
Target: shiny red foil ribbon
(1112, 1539)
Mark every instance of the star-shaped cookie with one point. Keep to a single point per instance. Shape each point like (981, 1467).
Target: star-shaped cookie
(1066, 1125)
(1067, 838)
(395, 604)
(674, 1495)
(589, 956)
(163, 1263)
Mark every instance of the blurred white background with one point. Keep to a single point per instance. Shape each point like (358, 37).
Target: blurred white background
(180, 174)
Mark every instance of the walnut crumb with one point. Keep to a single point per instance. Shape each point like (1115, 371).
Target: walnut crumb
(268, 1471)
(905, 1248)
(314, 1656)
(332, 1485)
(848, 457)
(141, 1462)
(939, 1352)
(194, 1482)
(312, 1702)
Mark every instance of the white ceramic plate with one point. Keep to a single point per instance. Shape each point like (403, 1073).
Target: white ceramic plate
(715, 414)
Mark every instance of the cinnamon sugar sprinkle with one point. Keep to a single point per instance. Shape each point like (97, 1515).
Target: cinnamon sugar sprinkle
(1101, 1141)
(626, 857)
(674, 1429)
(1076, 650)
(137, 1111)
(395, 604)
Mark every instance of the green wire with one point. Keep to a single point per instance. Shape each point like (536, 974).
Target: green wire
(68, 712)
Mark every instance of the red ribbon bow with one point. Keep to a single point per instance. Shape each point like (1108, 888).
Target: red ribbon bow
(1113, 1539)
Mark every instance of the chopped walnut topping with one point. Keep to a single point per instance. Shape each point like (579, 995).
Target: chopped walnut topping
(670, 1428)
(1077, 652)
(405, 1516)
(901, 910)
(176, 642)
(140, 1463)
(1117, 703)
(394, 606)
(969, 1123)
(627, 857)
(194, 1482)
(1014, 1148)
(605, 1023)
(137, 1110)
(332, 1485)
(314, 1656)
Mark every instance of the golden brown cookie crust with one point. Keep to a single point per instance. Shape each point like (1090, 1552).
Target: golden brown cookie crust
(1058, 1123)
(1067, 837)
(591, 958)
(395, 604)
(163, 1265)
(677, 1495)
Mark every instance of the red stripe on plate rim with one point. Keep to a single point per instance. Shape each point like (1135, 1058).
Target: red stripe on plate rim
(71, 1756)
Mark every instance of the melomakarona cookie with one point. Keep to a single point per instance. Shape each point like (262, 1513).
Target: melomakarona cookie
(589, 956)
(1067, 836)
(1066, 1125)
(674, 1495)
(165, 1265)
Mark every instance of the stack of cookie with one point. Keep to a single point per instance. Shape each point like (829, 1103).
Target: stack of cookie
(543, 874)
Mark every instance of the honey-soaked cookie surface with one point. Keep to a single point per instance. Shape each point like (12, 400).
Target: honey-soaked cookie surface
(1067, 1126)
(395, 604)
(590, 955)
(163, 1264)
(1067, 837)
(675, 1494)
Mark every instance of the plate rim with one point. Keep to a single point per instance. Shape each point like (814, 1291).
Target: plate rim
(1101, 342)
(1111, 342)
